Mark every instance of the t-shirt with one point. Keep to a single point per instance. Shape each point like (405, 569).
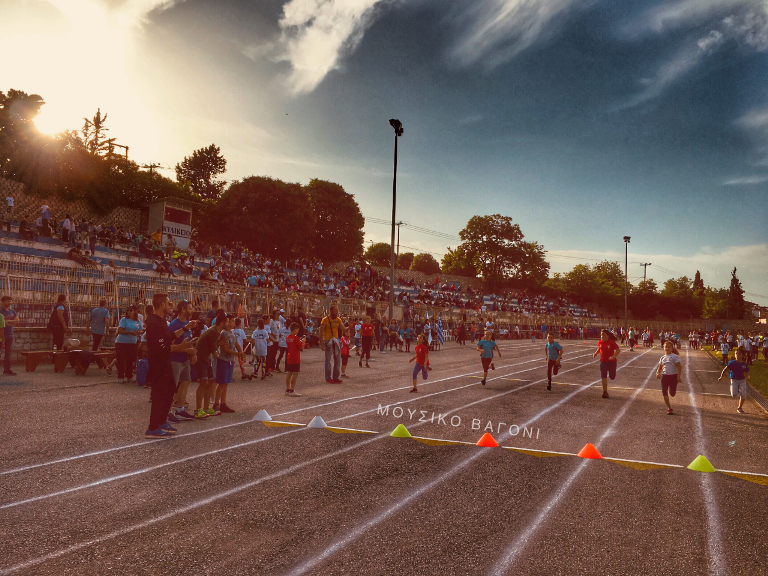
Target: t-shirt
(109, 274)
(487, 346)
(283, 334)
(8, 314)
(357, 330)
(128, 324)
(344, 346)
(260, 339)
(207, 344)
(724, 348)
(99, 321)
(607, 348)
(293, 355)
(366, 330)
(231, 344)
(421, 354)
(668, 364)
(553, 350)
(159, 340)
(737, 370)
(408, 333)
(331, 327)
(240, 336)
(176, 323)
(9, 200)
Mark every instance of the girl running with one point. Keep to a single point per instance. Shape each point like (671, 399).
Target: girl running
(669, 372)
(608, 350)
(422, 360)
(487, 346)
(366, 337)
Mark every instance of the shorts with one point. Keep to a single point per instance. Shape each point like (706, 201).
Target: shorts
(419, 368)
(294, 367)
(608, 369)
(224, 370)
(357, 342)
(344, 359)
(738, 388)
(486, 363)
(182, 372)
(668, 384)
(204, 370)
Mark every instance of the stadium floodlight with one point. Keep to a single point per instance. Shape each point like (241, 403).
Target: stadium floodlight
(398, 126)
(626, 249)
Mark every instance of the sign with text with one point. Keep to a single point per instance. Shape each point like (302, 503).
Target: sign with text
(177, 222)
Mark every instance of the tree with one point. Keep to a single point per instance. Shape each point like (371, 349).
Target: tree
(425, 263)
(736, 306)
(698, 283)
(269, 216)
(379, 254)
(496, 248)
(338, 222)
(201, 169)
(458, 262)
(715, 303)
(94, 138)
(645, 287)
(403, 261)
(533, 270)
(19, 138)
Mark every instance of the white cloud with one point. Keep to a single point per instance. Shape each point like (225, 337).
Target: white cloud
(471, 119)
(493, 32)
(316, 34)
(745, 181)
(680, 14)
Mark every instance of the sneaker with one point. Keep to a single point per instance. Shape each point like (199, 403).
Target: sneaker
(200, 414)
(344, 376)
(740, 410)
(183, 415)
(293, 393)
(669, 411)
(383, 352)
(414, 389)
(360, 363)
(9, 372)
(278, 370)
(212, 412)
(482, 381)
(337, 381)
(549, 386)
(367, 366)
(605, 395)
(168, 428)
(130, 380)
(172, 418)
(121, 380)
(329, 381)
(227, 409)
(156, 434)
(492, 366)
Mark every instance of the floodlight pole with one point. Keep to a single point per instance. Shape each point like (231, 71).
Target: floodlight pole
(398, 127)
(626, 250)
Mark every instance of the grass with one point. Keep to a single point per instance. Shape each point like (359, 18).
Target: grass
(758, 371)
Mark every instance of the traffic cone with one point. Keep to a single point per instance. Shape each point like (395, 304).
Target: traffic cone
(317, 422)
(400, 432)
(585, 341)
(487, 441)
(701, 464)
(262, 416)
(589, 451)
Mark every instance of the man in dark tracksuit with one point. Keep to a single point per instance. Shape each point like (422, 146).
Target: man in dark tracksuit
(160, 375)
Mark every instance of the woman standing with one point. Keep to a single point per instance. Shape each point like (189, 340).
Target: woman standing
(128, 332)
(58, 323)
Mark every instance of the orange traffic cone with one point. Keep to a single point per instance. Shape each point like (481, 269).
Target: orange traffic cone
(589, 451)
(487, 441)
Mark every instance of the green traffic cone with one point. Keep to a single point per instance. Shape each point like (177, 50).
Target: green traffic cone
(400, 432)
(701, 464)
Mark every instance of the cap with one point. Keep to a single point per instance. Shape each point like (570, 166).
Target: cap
(281, 310)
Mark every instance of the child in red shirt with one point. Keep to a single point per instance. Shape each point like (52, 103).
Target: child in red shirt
(422, 360)
(608, 350)
(293, 359)
(366, 337)
(344, 351)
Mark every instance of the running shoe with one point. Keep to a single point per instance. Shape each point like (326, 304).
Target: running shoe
(293, 393)
(183, 415)
(482, 381)
(121, 381)
(740, 410)
(414, 389)
(337, 381)
(492, 366)
(227, 409)
(360, 363)
(168, 428)
(212, 412)
(549, 386)
(172, 418)
(278, 370)
(382, 351)
(200, 414)
(9, 372)
(367, 366)
(669, 411)
(605, 395)
(344, 376)
(329, 381)
(159, 433)
(130, 381)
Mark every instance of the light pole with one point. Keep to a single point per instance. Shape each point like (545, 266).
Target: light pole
(626, 250)
(398, 127)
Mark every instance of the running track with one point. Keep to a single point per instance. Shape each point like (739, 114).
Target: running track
(83, 493)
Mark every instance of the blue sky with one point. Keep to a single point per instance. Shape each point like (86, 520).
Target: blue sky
(583, 120)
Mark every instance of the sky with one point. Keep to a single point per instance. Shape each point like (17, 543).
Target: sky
(584, 120)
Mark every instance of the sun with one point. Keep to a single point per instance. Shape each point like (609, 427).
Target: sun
(51, 121)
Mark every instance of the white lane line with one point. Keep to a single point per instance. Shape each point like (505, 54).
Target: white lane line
(511, 553)
(348, 538)
(214, 429)
(227, 448)
(715, 552)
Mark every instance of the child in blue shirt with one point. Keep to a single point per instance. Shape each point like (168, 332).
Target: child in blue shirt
(554, 352)
(487, 346)
(739, 373)
(724, 348)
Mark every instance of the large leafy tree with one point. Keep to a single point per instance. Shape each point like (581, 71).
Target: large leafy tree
(737, 308)
(378, 254)
(715, 303)
(19, 138)
(269, 216)
(425, 263)
(338, 222)
(200, 171)
(403, 261)
(458, 262)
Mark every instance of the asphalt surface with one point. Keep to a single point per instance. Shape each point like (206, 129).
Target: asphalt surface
(84, 493)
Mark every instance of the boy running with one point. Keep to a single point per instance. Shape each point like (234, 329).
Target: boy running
(293, 359)
(739, 373)
(487, 345)
(554, 353)
(669, 371)
(422, 360)
(609, 351)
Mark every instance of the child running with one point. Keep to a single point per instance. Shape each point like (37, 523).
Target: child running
(422, 360)
(487, 345)
(739, 373)
(293, 359)
(260, 339)
(669, 372)
(554, 353)
(344, 351)
(609, 351)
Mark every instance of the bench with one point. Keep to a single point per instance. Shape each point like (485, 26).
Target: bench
(34, 357)
(102, 359)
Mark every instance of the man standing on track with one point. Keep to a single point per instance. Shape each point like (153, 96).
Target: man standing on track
(160, 376)
(330, 336)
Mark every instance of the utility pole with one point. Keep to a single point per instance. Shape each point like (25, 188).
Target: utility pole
(626, 250)
(645, 268)
(398, 224)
